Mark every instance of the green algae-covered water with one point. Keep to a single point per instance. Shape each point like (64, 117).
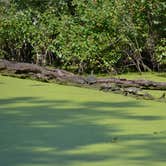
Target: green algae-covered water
(45, 124)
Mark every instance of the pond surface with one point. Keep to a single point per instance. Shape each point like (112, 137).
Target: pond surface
(45, 124)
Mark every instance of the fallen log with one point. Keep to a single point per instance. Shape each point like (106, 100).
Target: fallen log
(143, 84)
(25, 70)
(46, 74)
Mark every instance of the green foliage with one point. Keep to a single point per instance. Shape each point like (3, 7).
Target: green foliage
(88, 36)
(22, 28)
(85, 35)
(161, 51)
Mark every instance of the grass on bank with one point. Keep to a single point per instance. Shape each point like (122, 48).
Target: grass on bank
(153, 76)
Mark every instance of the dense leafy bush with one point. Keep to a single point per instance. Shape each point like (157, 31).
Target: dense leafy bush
(85, 36)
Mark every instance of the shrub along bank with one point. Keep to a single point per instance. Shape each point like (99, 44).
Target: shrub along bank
(84, 36)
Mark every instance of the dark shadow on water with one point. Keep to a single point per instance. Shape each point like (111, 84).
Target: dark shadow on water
(113, 104)
(30, 100)
(38, 85)
(15, 100)
(45, 132)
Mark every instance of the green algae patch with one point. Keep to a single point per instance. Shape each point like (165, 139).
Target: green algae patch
(45, 124)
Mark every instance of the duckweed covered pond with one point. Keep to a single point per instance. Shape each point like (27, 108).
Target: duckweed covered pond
(45, 124)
